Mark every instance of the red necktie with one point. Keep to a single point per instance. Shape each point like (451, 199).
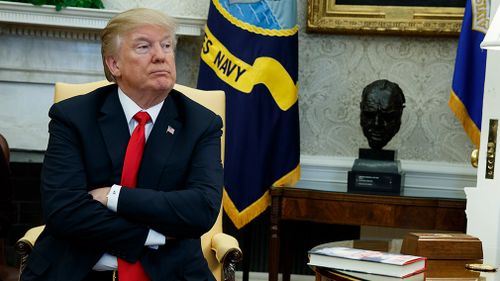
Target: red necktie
(133, 156)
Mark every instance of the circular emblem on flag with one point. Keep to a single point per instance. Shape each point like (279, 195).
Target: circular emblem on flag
(267, 14)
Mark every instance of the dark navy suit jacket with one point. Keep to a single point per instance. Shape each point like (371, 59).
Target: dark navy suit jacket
(178, 193)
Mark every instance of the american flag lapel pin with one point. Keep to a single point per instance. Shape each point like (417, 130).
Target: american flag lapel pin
(170, 130)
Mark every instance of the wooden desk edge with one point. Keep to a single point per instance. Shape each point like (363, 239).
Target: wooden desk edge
(278, 193)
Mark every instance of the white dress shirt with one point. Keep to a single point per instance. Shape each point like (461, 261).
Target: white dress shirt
(154, 239)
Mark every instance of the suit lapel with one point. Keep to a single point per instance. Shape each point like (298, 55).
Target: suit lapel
(114, 129)
(160, 144)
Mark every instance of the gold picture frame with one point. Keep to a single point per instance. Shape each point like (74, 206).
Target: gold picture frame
(328, 17)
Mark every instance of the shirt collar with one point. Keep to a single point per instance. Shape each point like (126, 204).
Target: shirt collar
(130, 108)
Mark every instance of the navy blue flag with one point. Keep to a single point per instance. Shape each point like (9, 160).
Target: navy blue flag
(466, 98)
(250, 51)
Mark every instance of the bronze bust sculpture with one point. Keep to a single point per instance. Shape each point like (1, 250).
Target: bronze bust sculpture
(382, 104)
(377, 170)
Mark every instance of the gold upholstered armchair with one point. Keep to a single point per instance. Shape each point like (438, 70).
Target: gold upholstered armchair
(221, 251)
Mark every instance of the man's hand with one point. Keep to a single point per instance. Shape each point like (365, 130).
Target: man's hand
(101, 194)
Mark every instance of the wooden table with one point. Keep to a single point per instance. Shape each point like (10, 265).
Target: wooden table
(444, 270)
(300, 204)
(437, 270)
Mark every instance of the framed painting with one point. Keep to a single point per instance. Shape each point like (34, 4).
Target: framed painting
(411, 17)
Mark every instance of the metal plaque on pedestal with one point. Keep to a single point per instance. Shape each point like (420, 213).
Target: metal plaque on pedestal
(376, 172)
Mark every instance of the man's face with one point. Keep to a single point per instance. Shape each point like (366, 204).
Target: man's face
(145, 61)
(380, 117)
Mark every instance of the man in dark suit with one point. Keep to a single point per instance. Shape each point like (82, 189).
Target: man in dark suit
(94, 222)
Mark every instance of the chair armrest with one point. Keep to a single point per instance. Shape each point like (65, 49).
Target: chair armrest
(25, 244)
(222, 244)
(228, 253)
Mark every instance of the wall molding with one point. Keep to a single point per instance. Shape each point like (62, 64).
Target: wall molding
(422, 178)
(31, 74)
(82, 23)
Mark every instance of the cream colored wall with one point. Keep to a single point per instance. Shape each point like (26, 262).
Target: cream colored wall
(335, 68)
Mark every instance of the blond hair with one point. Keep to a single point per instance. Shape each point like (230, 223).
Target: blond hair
(126, 21)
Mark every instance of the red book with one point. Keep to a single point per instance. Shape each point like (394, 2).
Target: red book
(367, 261)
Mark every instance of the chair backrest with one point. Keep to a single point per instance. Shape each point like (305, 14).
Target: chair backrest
(213, 100)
